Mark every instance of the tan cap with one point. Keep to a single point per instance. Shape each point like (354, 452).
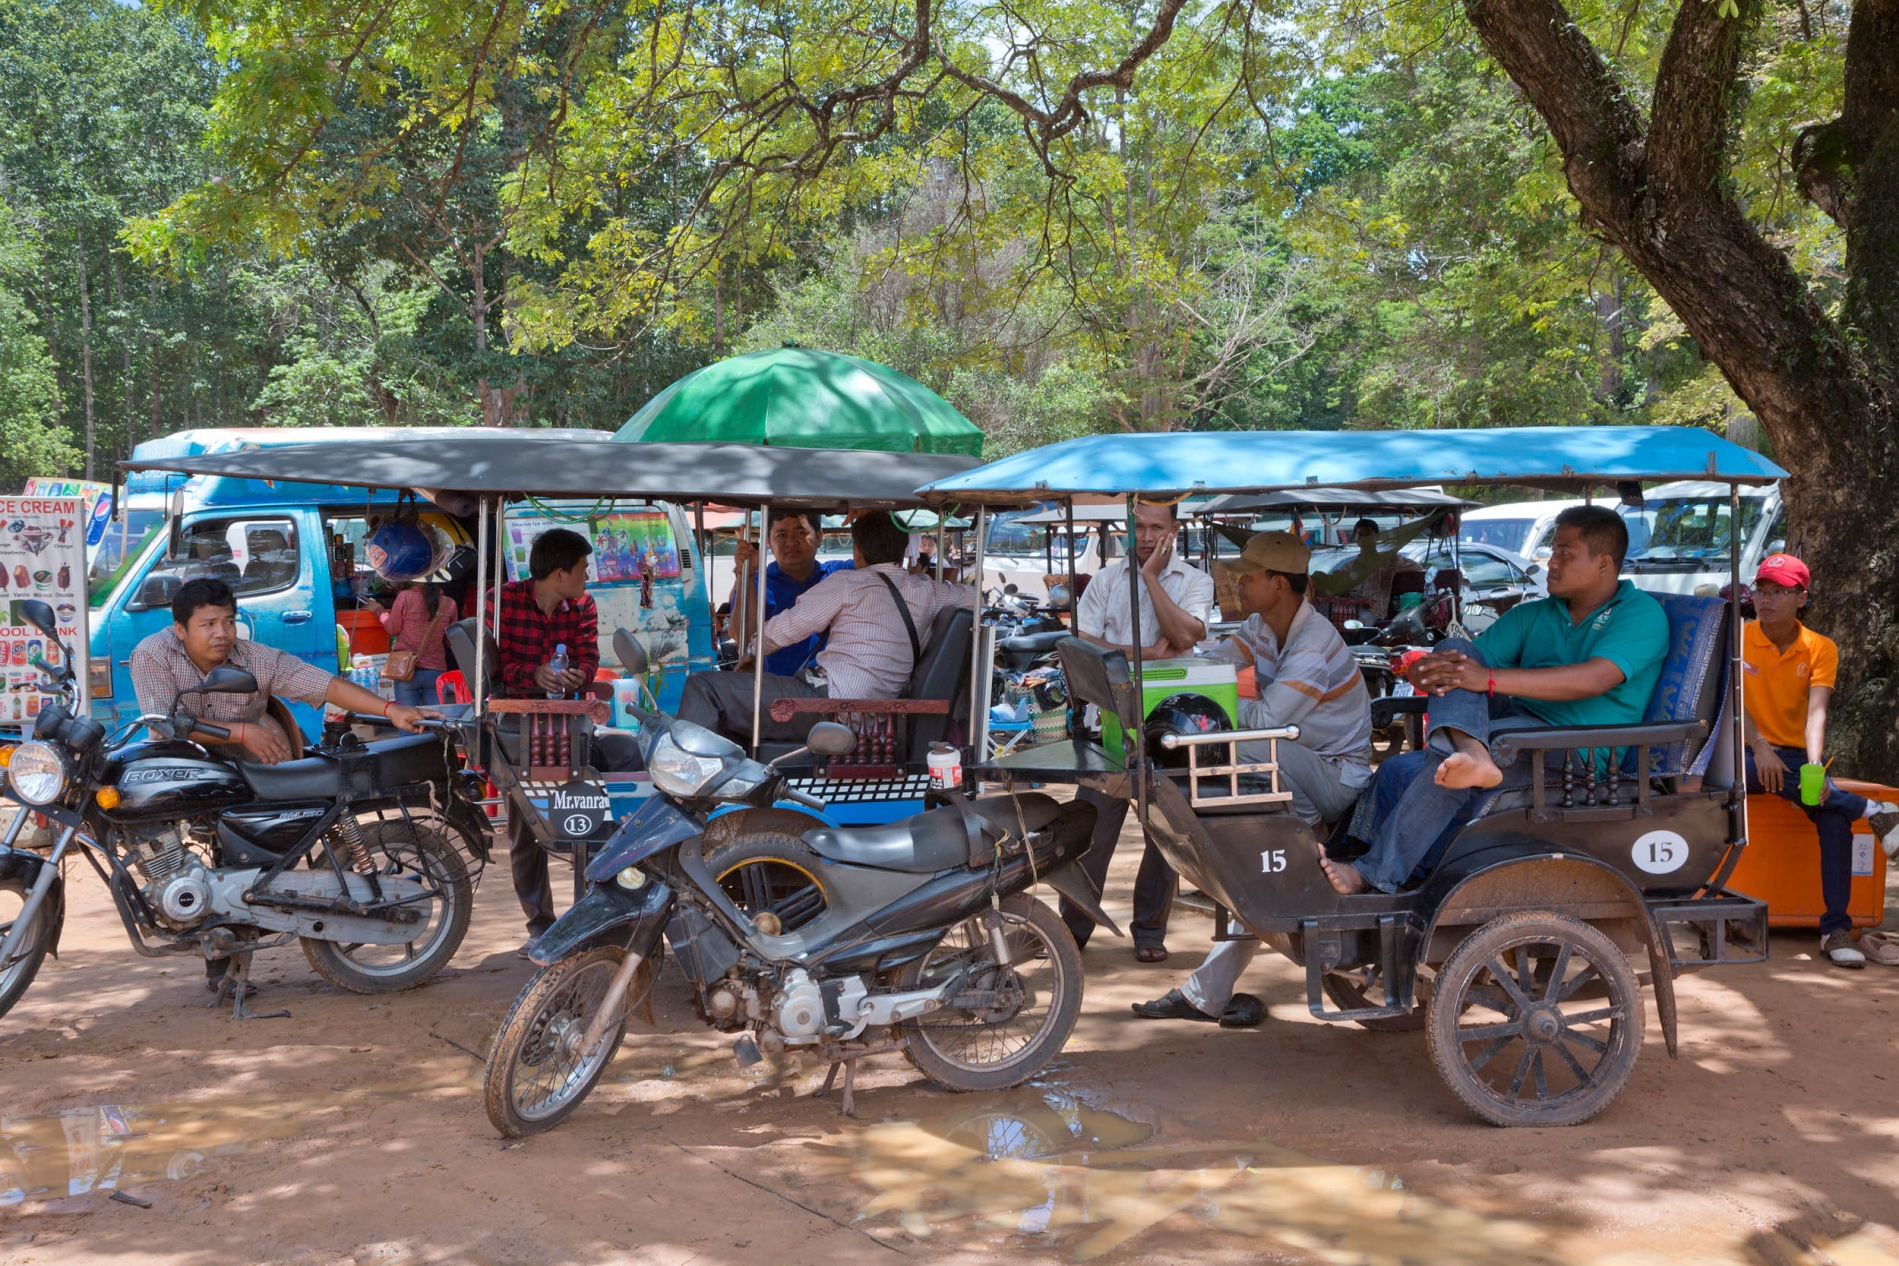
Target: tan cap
(1271, 551)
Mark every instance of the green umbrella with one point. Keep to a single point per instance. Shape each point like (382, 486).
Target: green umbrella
(798, 397)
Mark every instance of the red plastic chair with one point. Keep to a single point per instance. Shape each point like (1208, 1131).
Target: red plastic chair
(452, 683)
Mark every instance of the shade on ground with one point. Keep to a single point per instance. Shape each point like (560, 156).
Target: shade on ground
(799, 397)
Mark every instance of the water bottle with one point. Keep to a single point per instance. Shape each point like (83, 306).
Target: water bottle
(557, 666)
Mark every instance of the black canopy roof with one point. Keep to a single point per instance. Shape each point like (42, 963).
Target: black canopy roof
(540, 463)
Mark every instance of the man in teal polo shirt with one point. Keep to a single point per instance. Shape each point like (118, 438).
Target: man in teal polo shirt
(1589, 654)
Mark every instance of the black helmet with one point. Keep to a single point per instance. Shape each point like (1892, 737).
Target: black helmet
(1186, 714)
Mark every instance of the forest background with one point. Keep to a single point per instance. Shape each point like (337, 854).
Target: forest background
(1302, 218)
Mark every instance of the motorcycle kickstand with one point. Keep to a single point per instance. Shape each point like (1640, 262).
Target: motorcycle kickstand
(847, 1106)
(237, 985)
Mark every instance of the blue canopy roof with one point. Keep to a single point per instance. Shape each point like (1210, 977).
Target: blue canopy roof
(1183, 462)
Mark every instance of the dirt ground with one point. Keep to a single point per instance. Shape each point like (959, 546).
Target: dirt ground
(354, 1131)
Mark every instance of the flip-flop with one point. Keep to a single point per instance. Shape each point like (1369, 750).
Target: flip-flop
(1151, 954)
(1880, 947)
(1243, 1011)
(1174, 1006)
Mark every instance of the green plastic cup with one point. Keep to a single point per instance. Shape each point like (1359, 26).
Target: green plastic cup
(1812, 783)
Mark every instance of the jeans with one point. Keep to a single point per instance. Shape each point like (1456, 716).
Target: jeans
(1403, 837)
(419, 690)
(1154, 885)
(1834, 816)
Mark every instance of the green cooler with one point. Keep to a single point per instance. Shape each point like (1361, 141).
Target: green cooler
(1161, 679)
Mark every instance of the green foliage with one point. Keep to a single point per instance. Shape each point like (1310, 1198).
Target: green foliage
(31, 440)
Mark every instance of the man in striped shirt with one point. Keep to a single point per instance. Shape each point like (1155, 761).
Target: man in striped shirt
(869, 651)
(1306, 677)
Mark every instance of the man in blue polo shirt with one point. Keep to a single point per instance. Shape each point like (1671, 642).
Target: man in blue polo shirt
(1589, 654)
(793, 572)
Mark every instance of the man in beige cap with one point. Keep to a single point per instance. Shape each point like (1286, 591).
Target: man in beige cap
(1305, 677)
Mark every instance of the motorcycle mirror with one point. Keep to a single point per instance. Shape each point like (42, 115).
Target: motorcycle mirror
(828, 738)
(1009, 590)
(225, 680)
(40, 616)
(629, 651)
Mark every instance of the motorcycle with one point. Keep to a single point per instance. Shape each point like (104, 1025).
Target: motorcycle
(347, 851)
(1026, 629)
(919, 936)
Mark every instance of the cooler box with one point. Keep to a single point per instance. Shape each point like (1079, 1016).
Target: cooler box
(1781, 864)
(1163, 678)
(366, 634)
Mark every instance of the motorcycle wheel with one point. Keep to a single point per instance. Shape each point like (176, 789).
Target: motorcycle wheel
(771, 872)
(536, 1073)
(400, 847)
(990, 1049)
(18, 975)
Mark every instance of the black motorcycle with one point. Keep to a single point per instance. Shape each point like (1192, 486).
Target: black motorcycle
(349, 851)
(919, 936)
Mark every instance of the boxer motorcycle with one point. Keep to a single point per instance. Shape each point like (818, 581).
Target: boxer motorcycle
(209, 857)
(919, 936)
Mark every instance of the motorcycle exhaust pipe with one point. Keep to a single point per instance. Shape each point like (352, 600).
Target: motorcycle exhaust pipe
(610, 1005)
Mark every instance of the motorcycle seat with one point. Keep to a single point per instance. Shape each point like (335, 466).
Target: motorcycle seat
(1036, 643)
(929, 842)
(410, 758)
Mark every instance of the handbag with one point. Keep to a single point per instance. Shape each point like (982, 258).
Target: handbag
(400, 666)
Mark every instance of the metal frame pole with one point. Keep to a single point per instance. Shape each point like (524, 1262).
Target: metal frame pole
(1068, 548)
(978, 721)
(481, 590)
(1131, 744)
(758, 656)
(1737, 794)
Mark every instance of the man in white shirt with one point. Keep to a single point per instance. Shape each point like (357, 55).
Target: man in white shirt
(1305, 677)
(870, 647)
(1176, 601)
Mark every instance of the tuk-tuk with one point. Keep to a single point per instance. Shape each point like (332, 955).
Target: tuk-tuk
(1516, 948)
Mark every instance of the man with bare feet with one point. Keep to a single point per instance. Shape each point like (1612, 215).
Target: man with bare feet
(1589, 654)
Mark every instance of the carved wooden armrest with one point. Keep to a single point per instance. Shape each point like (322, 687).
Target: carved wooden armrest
(782, 710)
(595, 708)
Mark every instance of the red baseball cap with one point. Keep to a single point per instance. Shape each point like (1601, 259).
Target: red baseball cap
(1784, 570)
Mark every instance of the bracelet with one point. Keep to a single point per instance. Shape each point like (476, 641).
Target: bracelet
(1491, 689)
(386, 707)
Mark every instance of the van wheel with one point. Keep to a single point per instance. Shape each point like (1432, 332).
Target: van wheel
(770, 872)
(1538, 1020)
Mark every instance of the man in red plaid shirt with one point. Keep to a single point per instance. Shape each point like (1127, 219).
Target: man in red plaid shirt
(548, 610)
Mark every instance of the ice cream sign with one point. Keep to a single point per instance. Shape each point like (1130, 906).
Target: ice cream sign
(43, 557)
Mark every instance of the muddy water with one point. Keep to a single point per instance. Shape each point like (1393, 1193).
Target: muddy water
(1084, 1181)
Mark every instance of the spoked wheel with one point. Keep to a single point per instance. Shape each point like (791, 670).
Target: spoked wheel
(1365, 987)
(417, 852)
(17, 975)
(1002, 1025)
(1537, 1021)
(537, 1071)
(768, 872)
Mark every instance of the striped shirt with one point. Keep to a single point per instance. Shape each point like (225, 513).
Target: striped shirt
(1311, 682)
(867, 653)
(161, 670)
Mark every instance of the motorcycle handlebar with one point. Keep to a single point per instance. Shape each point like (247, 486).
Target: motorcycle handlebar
(809, 802)
(207, 728)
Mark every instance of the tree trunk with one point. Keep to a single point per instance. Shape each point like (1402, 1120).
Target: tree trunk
(1658, 190)
(85, 342)
(156, 425)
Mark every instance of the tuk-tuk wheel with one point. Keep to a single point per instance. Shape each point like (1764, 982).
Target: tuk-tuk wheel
(1537, 1020)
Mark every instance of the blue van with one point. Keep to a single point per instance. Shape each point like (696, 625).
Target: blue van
(290, 552)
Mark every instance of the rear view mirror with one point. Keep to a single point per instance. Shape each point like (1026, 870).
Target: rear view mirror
(40, 616)
(1010, 590)
(158, 590)
(828, 738)
(225, 680)
(628, 650)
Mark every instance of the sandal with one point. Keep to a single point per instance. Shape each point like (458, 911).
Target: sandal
(1151, 954)
(1243, 1011)
(1175, 1007)
(1880, 947)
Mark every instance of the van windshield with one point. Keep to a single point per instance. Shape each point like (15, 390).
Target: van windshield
(123, 542)
(1510, 534)
(1687, 533)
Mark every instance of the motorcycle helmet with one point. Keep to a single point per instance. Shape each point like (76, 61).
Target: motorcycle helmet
(403, 551)
(1185, 714)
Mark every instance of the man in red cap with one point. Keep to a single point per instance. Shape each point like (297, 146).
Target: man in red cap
(1790, 673)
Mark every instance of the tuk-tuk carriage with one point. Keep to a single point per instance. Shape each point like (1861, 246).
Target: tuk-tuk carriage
(538, 753)
(1523, 945)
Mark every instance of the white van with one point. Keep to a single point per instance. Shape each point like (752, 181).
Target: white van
(1679, 538)
(1522, 527)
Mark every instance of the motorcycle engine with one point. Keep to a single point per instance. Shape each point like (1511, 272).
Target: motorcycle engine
(804, 1010)
(174, 875)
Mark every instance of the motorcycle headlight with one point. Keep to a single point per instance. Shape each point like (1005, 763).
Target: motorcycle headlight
(38, 772)
(677, 771)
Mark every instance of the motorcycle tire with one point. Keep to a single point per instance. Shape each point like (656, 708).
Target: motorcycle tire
(534, 1044)
(940, 1044)
(17, 978)
(769, 871)
(443, 861)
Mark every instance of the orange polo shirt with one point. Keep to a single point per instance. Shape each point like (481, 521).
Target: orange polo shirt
(1778, 681)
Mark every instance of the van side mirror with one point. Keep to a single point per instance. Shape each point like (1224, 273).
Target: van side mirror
(157, 590)
(828, 738)
(628, 650)
(225, 680)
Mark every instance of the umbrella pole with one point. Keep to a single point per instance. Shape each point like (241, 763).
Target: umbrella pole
(978, 717)
(1068, 548)
(481, 592)
(1131, 743)
(758, 656)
